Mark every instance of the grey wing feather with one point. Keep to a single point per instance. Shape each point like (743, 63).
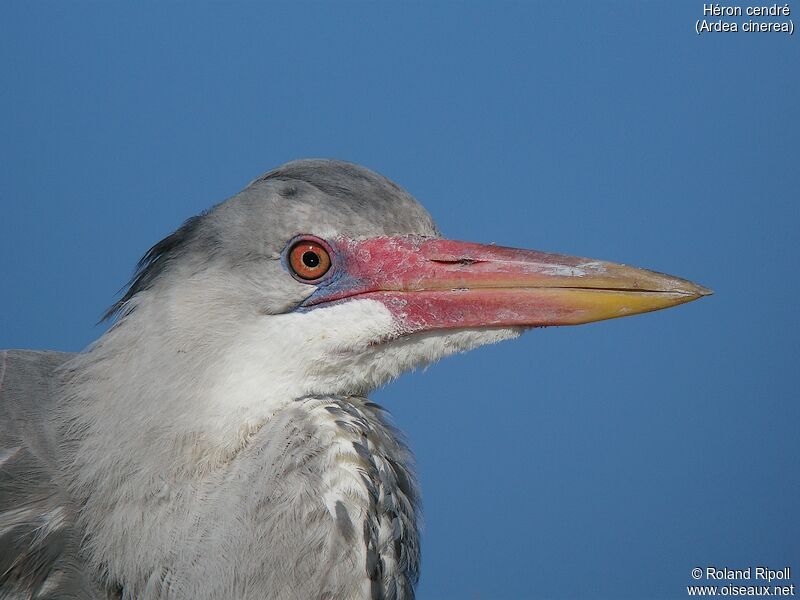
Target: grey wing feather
(39, 556)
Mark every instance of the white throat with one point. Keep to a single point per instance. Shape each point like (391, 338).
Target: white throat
(196, 395)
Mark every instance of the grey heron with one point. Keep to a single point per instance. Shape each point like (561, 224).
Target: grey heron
(217, 440)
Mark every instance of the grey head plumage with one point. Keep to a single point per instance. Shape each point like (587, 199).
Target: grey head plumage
(217, 443)
(300, 196)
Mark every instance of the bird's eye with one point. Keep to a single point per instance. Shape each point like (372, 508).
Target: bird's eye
(309, 260)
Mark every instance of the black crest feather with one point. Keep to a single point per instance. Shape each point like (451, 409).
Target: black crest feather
(153, 263)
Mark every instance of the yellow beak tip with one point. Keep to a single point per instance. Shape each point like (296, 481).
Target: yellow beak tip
(704, 291)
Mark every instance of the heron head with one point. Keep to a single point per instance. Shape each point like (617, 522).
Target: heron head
(334, 279)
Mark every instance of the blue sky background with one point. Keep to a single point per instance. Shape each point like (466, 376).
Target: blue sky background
(603, 461)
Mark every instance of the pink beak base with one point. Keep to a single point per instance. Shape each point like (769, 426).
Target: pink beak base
(432, 283)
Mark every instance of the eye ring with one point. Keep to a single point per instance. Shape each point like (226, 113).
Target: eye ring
(308, 259)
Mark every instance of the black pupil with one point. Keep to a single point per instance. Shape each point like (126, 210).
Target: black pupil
(310, 259)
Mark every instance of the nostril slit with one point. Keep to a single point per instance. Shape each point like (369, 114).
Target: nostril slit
(456, 261)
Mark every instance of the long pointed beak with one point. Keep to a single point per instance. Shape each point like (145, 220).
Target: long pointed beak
(441, 284)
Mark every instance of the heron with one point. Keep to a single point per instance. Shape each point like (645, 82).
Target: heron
(217, 441)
